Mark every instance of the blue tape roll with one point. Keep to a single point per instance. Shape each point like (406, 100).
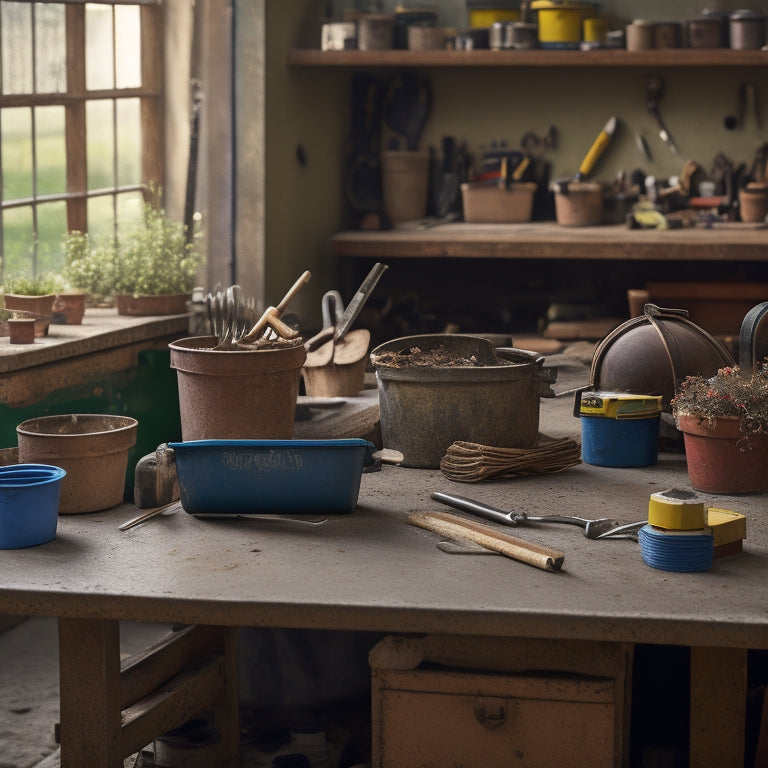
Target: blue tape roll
(676, 552)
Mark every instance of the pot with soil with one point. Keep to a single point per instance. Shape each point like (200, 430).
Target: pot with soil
(437, 389)
(246, 392)
(93, 450)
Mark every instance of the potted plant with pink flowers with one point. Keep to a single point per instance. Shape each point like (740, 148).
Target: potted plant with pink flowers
(724, 421)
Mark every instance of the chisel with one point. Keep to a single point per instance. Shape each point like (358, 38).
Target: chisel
(597, 149)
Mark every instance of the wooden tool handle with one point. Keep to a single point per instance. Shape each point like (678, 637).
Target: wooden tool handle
(454, 526)
(294, 289)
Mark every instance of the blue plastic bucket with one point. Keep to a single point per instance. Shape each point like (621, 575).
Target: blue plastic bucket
(29, 504)
(619, 430)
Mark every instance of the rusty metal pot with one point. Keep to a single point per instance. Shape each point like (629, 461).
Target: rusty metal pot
(651, 354)
(425, 408)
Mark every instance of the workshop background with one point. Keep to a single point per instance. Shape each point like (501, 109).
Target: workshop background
(297, 126)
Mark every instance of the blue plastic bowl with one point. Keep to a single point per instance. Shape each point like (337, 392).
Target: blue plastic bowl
(271, 476)
(29, 504)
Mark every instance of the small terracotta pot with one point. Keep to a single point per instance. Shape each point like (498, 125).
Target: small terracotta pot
(40, 306)
(753, 203)
(93, 450)
(21, 331)
(69, 308)
(581, 205)
(163, 304)
(719, 458)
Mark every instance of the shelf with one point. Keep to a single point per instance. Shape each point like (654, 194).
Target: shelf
(674, 57)
(548, 240)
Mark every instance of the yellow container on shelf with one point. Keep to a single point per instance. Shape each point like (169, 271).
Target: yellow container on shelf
(485, 13)
(560, 22)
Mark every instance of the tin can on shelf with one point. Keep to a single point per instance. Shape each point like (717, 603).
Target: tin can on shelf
(747, 30)
(704, 32)
(639, 35)
(667, 34)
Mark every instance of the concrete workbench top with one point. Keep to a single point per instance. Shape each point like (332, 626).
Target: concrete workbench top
(101, 329)
(371, 570)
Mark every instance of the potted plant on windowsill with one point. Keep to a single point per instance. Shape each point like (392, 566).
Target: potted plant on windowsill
(724, 421)
(155, 265)
(151, 271)
(35, 295)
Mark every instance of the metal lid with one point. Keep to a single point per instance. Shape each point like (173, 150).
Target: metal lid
(746, 14)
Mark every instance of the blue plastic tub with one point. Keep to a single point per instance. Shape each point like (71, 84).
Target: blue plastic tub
(29, 504)
(271, 476)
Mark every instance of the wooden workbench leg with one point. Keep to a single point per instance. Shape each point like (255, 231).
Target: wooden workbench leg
(89, 693)
(718, 707)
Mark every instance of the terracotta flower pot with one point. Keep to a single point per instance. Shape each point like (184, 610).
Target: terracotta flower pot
(236, 394)
(720, 460)
(93, 450)
(69, 308)
(163, 304)
(21, 330)
(40, 306)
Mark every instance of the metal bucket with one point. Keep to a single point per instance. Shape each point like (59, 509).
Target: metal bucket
(426, 408)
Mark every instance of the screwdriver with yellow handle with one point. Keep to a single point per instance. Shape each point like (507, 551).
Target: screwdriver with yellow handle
(597, 149)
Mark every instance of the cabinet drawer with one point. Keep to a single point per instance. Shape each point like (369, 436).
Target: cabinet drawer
(440, 719)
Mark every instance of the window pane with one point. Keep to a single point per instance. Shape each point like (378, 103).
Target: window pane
(15, 39)
(127, 46)
(18, 241)
(129, 210)
(51, 226)
(50, 49)
(128, 142)
(51, 151)
(100, 143)
(101, 220)
(99, 48)
(16, 145)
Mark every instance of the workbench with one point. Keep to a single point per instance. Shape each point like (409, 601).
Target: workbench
(110, 363)
(371, 571)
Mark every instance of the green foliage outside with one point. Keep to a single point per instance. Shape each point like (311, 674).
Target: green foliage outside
(42, 285)
(153, 258)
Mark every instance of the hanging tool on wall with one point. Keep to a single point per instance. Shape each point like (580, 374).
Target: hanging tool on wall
(596, 150)
(654, 87)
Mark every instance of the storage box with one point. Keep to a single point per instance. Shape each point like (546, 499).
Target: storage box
(719, 308)
(271, 476)
(443, 700)
(491, 204)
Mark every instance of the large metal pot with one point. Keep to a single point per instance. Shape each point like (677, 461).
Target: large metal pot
(653, 353)
(425, 408)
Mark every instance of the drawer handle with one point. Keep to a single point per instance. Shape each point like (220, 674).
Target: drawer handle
(492, 716)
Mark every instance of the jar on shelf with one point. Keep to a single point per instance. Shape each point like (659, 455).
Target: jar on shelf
(747, 30)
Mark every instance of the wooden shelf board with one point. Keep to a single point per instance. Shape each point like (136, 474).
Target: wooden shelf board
(548, 240)
(674, 57)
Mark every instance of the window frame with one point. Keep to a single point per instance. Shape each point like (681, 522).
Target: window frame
(74, 100)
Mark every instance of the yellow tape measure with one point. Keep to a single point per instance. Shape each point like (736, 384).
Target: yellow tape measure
(676, 510)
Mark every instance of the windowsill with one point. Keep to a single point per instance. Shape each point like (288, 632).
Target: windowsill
(101, 329)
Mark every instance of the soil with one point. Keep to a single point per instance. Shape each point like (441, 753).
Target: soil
(439, 357)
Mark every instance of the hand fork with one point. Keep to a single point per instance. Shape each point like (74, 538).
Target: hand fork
(593, 529)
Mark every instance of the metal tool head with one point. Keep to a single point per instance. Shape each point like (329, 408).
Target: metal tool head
(594, 529)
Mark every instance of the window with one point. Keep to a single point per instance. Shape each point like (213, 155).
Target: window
(80, 123)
